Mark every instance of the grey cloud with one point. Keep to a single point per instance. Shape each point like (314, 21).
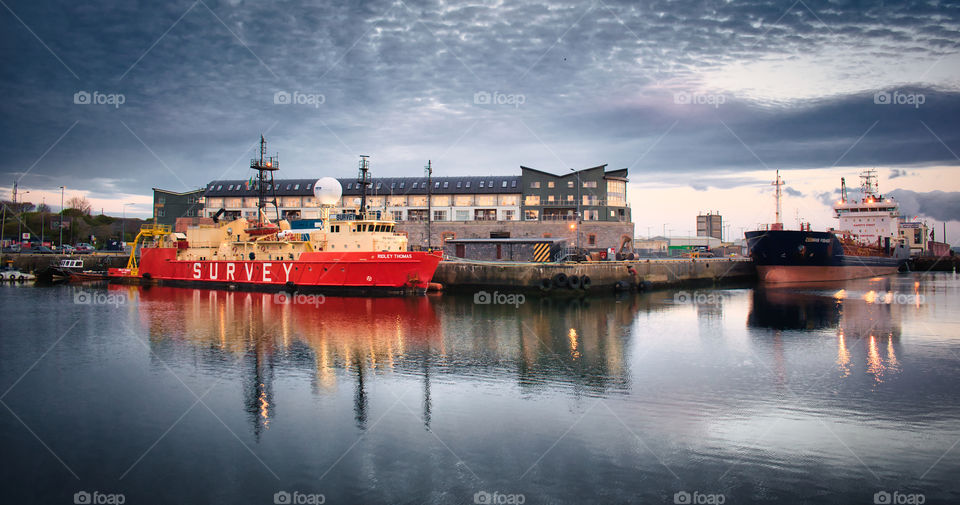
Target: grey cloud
(939, 205)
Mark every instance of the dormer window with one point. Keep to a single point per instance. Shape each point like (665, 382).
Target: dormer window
(402, 184)
(459, 184)
(481, 184)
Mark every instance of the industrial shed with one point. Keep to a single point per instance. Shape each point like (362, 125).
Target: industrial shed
(505, 249)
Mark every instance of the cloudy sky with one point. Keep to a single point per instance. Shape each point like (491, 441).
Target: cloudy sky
(702, 101)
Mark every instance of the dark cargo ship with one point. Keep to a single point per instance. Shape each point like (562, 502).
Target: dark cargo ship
(867, 244)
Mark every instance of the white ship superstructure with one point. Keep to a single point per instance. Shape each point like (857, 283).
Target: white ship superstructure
(871, 220)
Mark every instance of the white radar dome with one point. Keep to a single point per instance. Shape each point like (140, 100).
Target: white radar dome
(328, 191)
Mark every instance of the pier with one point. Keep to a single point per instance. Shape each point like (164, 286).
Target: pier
(659, 272)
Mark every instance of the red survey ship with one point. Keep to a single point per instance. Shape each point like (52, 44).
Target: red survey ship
(351, 253)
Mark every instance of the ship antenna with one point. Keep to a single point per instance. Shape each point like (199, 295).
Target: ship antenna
(779, 182)
(363, 180)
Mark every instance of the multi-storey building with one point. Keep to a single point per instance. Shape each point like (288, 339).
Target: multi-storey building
(710, 225)
(597, 194)
(170, 205)
(534, 204)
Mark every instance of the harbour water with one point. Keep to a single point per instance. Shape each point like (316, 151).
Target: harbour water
(818, 394)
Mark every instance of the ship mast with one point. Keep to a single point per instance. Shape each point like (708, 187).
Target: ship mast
(869, 185)
(843, 190)
(363, 180)
(265, 167)
(778, 225)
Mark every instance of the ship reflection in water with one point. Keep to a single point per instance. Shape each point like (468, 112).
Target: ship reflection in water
(342, 341)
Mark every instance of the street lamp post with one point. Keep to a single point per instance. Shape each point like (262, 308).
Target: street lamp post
(123, 223)
(20, 220)
(578, 210)
(43, 203)
(61, 218)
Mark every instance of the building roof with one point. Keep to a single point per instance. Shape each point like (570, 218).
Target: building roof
(619, 174)
(191, 192)
(379, 186)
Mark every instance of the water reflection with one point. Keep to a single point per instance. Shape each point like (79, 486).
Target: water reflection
(857, 313)
(542, 344)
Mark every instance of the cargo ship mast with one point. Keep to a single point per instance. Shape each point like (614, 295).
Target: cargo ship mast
(778, 224)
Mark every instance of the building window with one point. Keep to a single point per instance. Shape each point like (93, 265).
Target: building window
(393, 185)
(397, 215)
(350, 185)
(551, 184)
(379, 185)
(532, 200)
(513, 184)
(439, 215)
(402, 184)
(509, 215)
(591, 215)
(592, 239)
(570, 198)
(504, 184)
(459, 184)
(230, 187)
(219, 187)
(589, 184)
(296, 187)
(490, 184)
(589, 200)
(481, 184)
(413, 186)
(535, 185)
(160, 213)
(436, 185)
(550, 198)
(288, 187)
(569, 184)
(531, 215)
(463, 215)
(468, 184)
(161, 199)
(485, 214)
(446, 184)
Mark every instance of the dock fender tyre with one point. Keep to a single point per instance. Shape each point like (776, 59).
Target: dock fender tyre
(21, 278)
(585, 282)
(621, 286)
(574, 282)
(560, 280)
(545, 284)
(147, 276)
(291, 287)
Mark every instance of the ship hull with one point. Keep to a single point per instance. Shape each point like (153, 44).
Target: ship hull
(361, 272)
(792, 256)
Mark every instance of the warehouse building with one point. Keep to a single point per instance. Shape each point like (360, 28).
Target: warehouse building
(431, 211)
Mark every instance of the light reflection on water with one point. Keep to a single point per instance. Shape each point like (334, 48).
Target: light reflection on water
(826, 393)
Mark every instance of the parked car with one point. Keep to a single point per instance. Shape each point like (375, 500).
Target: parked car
(84, 248)
(66, 249)
(11, 249)
(40, 249)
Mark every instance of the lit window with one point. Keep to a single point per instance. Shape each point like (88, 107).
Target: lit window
(550, 184)
(535, 185)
